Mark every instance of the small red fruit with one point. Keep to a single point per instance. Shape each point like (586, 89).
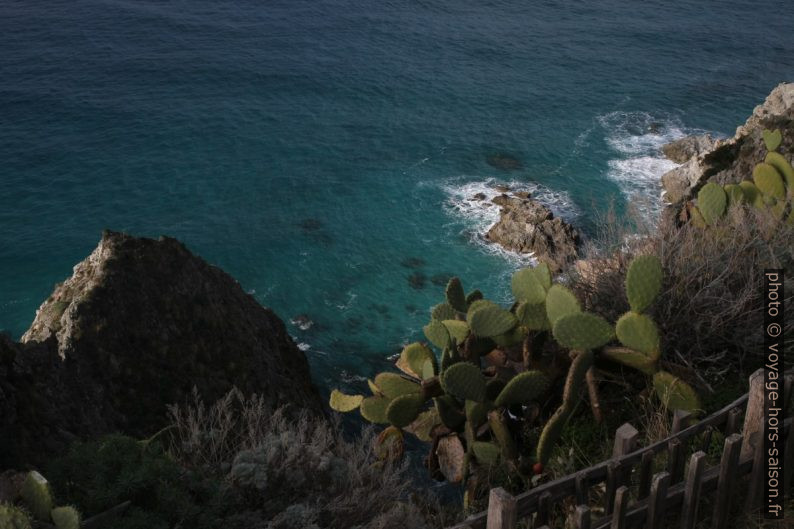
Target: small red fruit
(537, 468)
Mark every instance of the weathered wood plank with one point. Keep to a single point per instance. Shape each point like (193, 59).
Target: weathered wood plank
(613, 476)
(675, 460)
(753, 417)
(502, 512)
(621, 506)
(646, 474)
(544, 508)
(582, 488)
(625, 440)
(582, 517)
(732, 424)
(756, 483)
(689, 509)
(729, 464)
(657, 500)
(680, 420)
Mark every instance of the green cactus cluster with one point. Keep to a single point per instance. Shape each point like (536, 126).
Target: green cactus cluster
(483, 369)
(37, 505)
(771, 189)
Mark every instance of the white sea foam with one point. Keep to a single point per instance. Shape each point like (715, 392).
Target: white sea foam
(636, 139)
(303, 346)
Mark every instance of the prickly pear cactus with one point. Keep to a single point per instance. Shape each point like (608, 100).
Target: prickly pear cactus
(443, 311)
(782, 165)
(393, 385)
(638, 332)
(582, 330)
(674, 393)
(769, 181)
(456, 297)
(486, 453)
(533, 317)
(752, 195)
(712, 202)
(646, 363)
(490, 320)
(643, 281)
(437, 333)
(527, 287)
(457, 329)
(523, 388)
(412, 360)
(12, 517)
(735, 194)
(559, 302)
(772, 139)
(65, 518)
(403, 410)
(36, 494)
(373, 409)
(465, 381)
(344, 403)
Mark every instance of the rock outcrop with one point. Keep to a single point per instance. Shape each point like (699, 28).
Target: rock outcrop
(732, 160)
(527, 226)
(140, 323)
(680, 151)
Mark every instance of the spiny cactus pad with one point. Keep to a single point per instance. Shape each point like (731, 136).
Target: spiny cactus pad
(455, 295)
(423, 425)
(582, 330)
(65, 518)
(12, 517)
(772, 139)
(473, 296)
(523, 388)
(390, 444)
(373, 409)
(777, 161)
(696, 217)
(533, 317)
(512, 337)
(735, 194)
(464, 381)
(413, 357)
(373, 388)
(674, 393)
(643, 281)
(437, 333)
(476, 412)
(559, 302)
(550, 434)
(403, 410)
(502, 434)
(443, 311)
(490, 320)
(37, 496)
(638, 332)
(344, 403)
(448, 412)
(393, 385)
(712, 202)
(631, 358)
(751, 194)
(429, 369)
(769, 181)
(486, 453)
(527, 287)
(543, 273)
(457, 329)
(574, 382)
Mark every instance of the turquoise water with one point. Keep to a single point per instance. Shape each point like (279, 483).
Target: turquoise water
(313, 148)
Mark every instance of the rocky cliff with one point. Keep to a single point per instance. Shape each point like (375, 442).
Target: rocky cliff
(140, 323)
(730, 160)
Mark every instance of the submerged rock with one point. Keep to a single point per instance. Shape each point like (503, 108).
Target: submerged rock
(503, 161)
(140, 323)
(527, 226)
(733, 160)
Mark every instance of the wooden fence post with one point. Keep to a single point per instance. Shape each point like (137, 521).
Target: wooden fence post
(728, 466)
(680, 420)
(689, 508)
(502, 510)
(657, 500)
(582, 517)
(754, 416)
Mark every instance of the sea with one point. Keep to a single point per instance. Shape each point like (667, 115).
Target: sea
(326, 153)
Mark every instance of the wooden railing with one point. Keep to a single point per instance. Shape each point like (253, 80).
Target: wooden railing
(635, 496)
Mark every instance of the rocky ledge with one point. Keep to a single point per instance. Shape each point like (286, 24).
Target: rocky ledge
(527, 226)
(730, 160)
(140, 323)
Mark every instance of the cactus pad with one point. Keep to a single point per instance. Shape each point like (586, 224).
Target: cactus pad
(523, 388)
(645, 363)
(429, 369)
(451, 458)
(559, 302)
(751, 194)
(512, 337)
(502, 434)
(437, 333)
(476, 413)
(543, 273)
(403, 410)
(574, 382)
(527, 287)
(782, 165)
(712, 202)
(37, 496)
(464, 381)
(696, 218)
(550, 434)
(582, 330)
(674, 393)
(373, 388)
(456, 297)
(344, 403)
(643, 281)
(772, 139)
(769, 181)
(533, 317)
(390, 444)
(457, 329)
(443, 311)
(412, 359)
(473, 296)
(373, 409)
(486, 453)
(735, 194)
(423, 425)
(393, 385)
(638, 332)
(65, 518)
(490, 320)
(448, 412)
(12, 517)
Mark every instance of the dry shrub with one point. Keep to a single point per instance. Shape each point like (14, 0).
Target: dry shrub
(297, 471)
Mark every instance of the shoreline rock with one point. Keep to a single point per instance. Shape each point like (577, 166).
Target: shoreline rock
(527, 226)
(140, 323)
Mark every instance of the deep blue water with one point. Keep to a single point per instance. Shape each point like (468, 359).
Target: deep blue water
(310, 147)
